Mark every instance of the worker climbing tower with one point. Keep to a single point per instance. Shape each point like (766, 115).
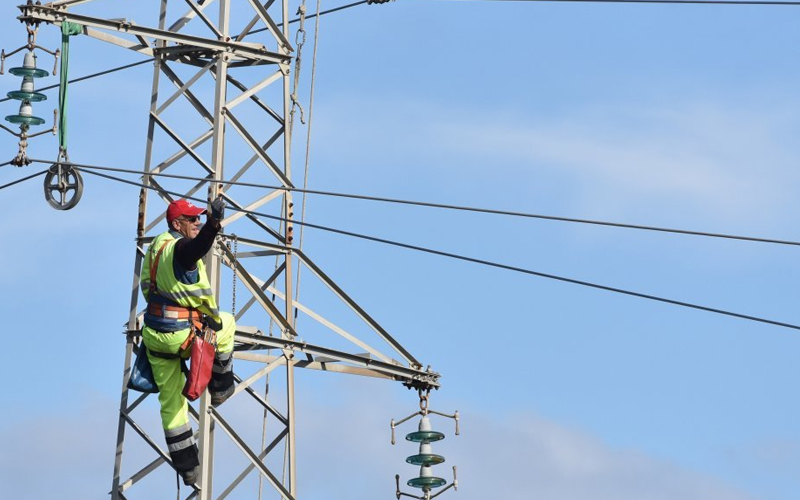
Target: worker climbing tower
(221, 112)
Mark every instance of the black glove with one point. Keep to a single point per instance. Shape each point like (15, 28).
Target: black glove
(213, 323)
(218, 208)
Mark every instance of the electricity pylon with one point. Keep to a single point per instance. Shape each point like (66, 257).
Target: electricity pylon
(220, 110)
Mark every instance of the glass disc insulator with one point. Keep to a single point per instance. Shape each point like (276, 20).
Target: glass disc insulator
(26, 120)
(34, 72)
(426, 482)
(27, 96)
(426, 459)
(424, 436)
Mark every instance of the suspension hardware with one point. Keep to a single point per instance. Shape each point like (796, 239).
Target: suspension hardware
(425, 459)
(63, 184)
(27, 94)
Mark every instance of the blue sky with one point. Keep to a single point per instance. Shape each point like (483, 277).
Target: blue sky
(675, 115)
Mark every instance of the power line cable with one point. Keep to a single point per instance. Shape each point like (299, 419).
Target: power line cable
(354, 4)
(456, 207)
(94, 75)
(149, 60)
(701, 2)
(475, 260)
(310, 16)
(23, 179)
(335, 9)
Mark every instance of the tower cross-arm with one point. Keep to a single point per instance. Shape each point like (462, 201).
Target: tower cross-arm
(254, 53)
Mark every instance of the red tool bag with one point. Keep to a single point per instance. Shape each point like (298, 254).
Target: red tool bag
(202, 359)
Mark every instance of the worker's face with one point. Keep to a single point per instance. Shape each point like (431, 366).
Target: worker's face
(187, 226)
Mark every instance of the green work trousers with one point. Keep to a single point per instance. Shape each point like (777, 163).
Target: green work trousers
(167, 372)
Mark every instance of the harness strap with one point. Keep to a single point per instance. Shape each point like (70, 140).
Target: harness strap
(171, 312)
(164, 355)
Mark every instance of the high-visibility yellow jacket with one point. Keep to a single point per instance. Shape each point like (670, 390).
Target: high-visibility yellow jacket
(196, 296)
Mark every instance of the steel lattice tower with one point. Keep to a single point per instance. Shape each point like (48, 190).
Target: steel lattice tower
(220, 110)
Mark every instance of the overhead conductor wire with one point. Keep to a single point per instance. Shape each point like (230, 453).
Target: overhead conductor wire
(93, 75)
(453, 207)
(23, 179)
(472, 259)
(361, 2)
(481, 261)
(149, 60)
(700, 2)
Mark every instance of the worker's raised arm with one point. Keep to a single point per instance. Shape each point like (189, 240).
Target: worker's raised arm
(188, 252)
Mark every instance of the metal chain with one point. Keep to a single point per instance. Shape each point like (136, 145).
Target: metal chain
(234, 267)
(423, 401)
(32, 37)
(22, 155)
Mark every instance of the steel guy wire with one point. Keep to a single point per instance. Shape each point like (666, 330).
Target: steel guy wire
(490, 211)
(475, 260)
(308, 149)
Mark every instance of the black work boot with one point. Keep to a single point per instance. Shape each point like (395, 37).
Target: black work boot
(190, 476)
(221, 385)
(217, 398)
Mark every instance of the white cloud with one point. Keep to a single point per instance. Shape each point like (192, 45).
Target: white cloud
(344, 447)
(538, 458)
(699, 153)
(724, 159)
(520, 456)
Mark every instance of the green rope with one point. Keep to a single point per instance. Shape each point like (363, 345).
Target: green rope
(68, 29)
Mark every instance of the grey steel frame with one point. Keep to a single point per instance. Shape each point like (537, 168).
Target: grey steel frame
(219, 57)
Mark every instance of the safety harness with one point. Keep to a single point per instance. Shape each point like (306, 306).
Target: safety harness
(194, 316)
(200, 344)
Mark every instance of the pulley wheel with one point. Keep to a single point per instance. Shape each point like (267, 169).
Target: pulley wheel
(63, 186)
